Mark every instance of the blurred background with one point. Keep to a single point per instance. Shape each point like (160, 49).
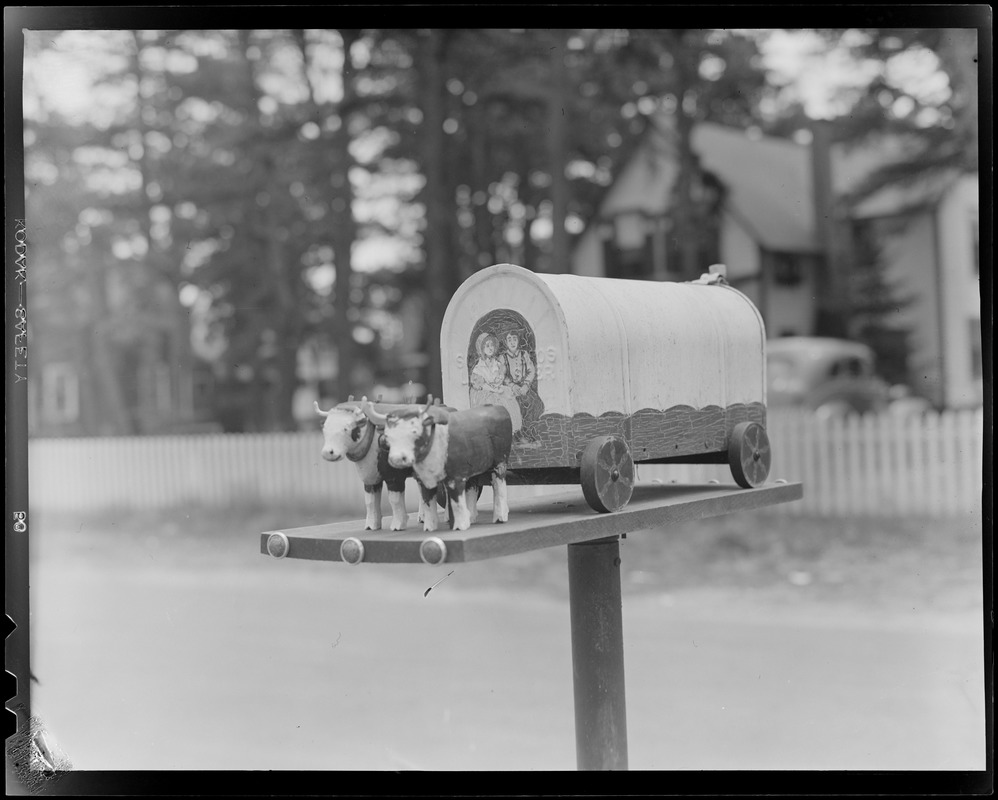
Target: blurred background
(228, 225)
(225, 226)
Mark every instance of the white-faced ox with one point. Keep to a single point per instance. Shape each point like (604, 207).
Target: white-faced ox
(458, 450)
(348, 433)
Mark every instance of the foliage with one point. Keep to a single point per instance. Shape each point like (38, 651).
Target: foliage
(237, 197)
(876, 302)
(923, 90)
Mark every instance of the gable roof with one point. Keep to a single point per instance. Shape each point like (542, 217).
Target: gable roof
(769, 186)
(769, 180)
(924, 190)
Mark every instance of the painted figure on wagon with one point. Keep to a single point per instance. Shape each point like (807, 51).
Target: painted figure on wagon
(489, 386)
(521, 375)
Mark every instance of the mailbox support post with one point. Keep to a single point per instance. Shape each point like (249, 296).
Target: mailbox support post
(597, 654)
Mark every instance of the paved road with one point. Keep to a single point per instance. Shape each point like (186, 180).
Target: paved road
(295, 665)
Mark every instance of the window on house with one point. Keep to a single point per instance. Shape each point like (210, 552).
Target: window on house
(787, 269)
(976, 356)
(201, 386)
(628, 246)
(154, 388)
(60, 393)
(163, 390)
(673, 257)
(848, 368)
(975, 233)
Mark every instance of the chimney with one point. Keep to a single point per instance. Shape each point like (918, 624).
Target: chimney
(832, 277)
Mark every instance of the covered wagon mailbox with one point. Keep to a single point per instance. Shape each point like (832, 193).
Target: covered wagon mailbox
(599, 374)
(595, 375)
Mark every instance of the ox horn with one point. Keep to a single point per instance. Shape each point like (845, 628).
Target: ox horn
(378, 419)
(429, 403)
(319, 410)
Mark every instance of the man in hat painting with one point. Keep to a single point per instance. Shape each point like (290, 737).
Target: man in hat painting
(520, 376)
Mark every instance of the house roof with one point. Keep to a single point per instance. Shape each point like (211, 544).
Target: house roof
(926, 190)
(769, 180)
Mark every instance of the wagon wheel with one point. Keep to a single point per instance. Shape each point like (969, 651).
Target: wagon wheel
(607, 474)
(749, 455)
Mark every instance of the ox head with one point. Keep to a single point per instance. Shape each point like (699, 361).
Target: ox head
(342, 432)
(408, 433)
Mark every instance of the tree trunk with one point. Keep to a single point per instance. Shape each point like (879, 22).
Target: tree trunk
(288, 327)
(438, 211)
(115, 415)
(478, 134)
(684, 211)
(557, 103)
(165, 268)
(344, 230)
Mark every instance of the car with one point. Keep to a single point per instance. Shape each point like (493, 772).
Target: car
(831, 377)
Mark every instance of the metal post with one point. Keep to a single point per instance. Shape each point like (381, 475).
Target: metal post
(597, 654)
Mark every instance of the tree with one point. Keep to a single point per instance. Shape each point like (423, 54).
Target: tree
(101, 186)
(437, 234)
(700, 75)
(876, 303)
(930, 109)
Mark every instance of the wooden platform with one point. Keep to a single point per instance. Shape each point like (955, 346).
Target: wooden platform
(556, 519)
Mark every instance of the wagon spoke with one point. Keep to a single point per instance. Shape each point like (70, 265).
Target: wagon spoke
(749, 454)
(627, 470)
(607, 474)
(616, 494)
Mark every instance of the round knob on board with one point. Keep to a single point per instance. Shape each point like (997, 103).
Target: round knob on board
(433, 551)
(277, 545)
(352, 550)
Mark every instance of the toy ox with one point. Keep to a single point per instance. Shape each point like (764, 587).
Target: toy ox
(458, 450)
(348, 433)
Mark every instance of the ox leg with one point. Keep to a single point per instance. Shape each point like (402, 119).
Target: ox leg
(472, 495)
(457, 491)
(500, 506)
(396, 497)
(372, 499)
(430, 520)
(399, 516)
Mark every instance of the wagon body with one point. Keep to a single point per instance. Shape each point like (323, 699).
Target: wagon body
(669, 368)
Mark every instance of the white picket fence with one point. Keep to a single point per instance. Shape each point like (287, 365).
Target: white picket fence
(872, 465)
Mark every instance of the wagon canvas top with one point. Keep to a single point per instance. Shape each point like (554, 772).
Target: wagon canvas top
(579, 348)
(605, 344)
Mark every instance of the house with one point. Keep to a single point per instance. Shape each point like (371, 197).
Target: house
(783, 218)
(101, 378)
(69, 397)
(929, 233)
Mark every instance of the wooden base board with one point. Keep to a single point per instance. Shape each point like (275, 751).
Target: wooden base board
(557, 519)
